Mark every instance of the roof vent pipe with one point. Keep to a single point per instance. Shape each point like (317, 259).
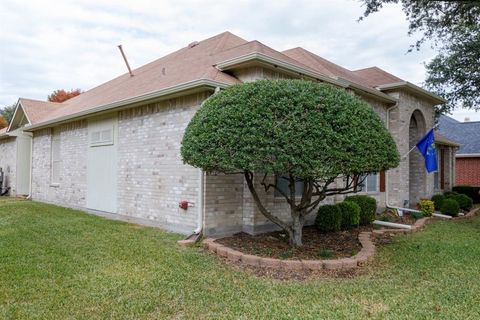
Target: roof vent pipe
(125, 59)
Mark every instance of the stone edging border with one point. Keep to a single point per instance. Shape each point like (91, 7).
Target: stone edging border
(366, 253)
(359, 260)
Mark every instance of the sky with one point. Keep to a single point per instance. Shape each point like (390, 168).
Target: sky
(49, 45)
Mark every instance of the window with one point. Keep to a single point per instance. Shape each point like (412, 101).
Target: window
(102, 137)
(370, 183)
(56, 159)
(282, 184)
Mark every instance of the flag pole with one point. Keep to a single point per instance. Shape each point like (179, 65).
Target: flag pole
(406, 154)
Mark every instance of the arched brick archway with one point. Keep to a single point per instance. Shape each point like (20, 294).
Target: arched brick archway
(417, 173)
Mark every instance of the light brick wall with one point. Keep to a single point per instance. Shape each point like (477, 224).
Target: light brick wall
(399, 178)
(152, 178)
(71, 188)
(468, 171)
(8, 162)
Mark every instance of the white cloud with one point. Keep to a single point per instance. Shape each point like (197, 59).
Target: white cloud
(48, 45)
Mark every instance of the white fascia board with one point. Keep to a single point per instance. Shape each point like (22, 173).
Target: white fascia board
(130, 101)
(18, 105)
(409, 85)
(467, 155)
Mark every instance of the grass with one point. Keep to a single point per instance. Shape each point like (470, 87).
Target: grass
(57, 263)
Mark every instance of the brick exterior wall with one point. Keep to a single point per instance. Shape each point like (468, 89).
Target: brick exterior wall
(72, 185)
(8, 162)
(152, 178)
(468, 171)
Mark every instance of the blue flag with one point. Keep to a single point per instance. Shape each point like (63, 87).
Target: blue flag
(426, 146)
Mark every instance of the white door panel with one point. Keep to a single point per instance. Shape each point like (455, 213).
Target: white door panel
(102, 165)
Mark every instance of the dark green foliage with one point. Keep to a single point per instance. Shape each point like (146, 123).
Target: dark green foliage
(350, 214)
(464, 202)
(450, 207)
(326, 254)
(449, 194)
(452, 27)
(329, 218)
(437, 200)
(288, 126)
(7, 112)
(417, 215)
(471, 191)
(368, 208)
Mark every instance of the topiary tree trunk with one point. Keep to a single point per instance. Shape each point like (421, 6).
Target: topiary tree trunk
(314, 191)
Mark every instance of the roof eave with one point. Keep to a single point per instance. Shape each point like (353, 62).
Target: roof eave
(408, 85)
(256, 56)
(131, 102)
(237, 61)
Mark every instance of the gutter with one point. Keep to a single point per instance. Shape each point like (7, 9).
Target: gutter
(229, 64)
(467, 155)
(131, 101)
(415, 88)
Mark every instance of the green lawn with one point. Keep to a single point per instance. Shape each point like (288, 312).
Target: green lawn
(57, 263)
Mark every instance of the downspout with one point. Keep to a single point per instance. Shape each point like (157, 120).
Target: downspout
(387, 202)
(201, 189)
(201, 192)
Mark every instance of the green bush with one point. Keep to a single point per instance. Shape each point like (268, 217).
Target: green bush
(437, 201)
(350, 214)
(368, 208)
(450, 207)
(329, 218)
(427, 207)
(417, 215)
(471, 191)
(449, 194)
(464, 202)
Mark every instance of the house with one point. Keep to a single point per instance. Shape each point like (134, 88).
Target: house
(468, 155)
(115, 149)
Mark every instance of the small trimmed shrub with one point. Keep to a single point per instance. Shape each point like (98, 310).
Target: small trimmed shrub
(449, 194)
(471, 191)
(368, 208)
(329, 218)
(350, 214)
(450, 207)
(437, 201)
(427, 207)
(417, 215)
(464, 202)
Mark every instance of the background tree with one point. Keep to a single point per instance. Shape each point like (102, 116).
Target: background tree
(453, 27)
(306, 132)
(7, 112)
(3, 122)
(61, 95)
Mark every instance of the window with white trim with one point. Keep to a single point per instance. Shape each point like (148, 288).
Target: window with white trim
(101, 137)
(370, 184)
(56, 159)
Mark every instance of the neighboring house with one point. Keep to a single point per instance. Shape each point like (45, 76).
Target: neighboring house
(116, 148)
(467, 134)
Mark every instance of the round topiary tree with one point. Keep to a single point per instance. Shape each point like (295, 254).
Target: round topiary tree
(307, 132)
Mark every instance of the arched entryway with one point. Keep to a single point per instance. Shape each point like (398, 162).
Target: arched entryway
(417, 173)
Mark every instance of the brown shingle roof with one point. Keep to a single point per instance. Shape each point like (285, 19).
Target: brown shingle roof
(323, 65)
(37, 110)
(375, 76)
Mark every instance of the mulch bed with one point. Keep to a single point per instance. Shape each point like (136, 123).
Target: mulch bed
(393, 217)
(316, 245)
